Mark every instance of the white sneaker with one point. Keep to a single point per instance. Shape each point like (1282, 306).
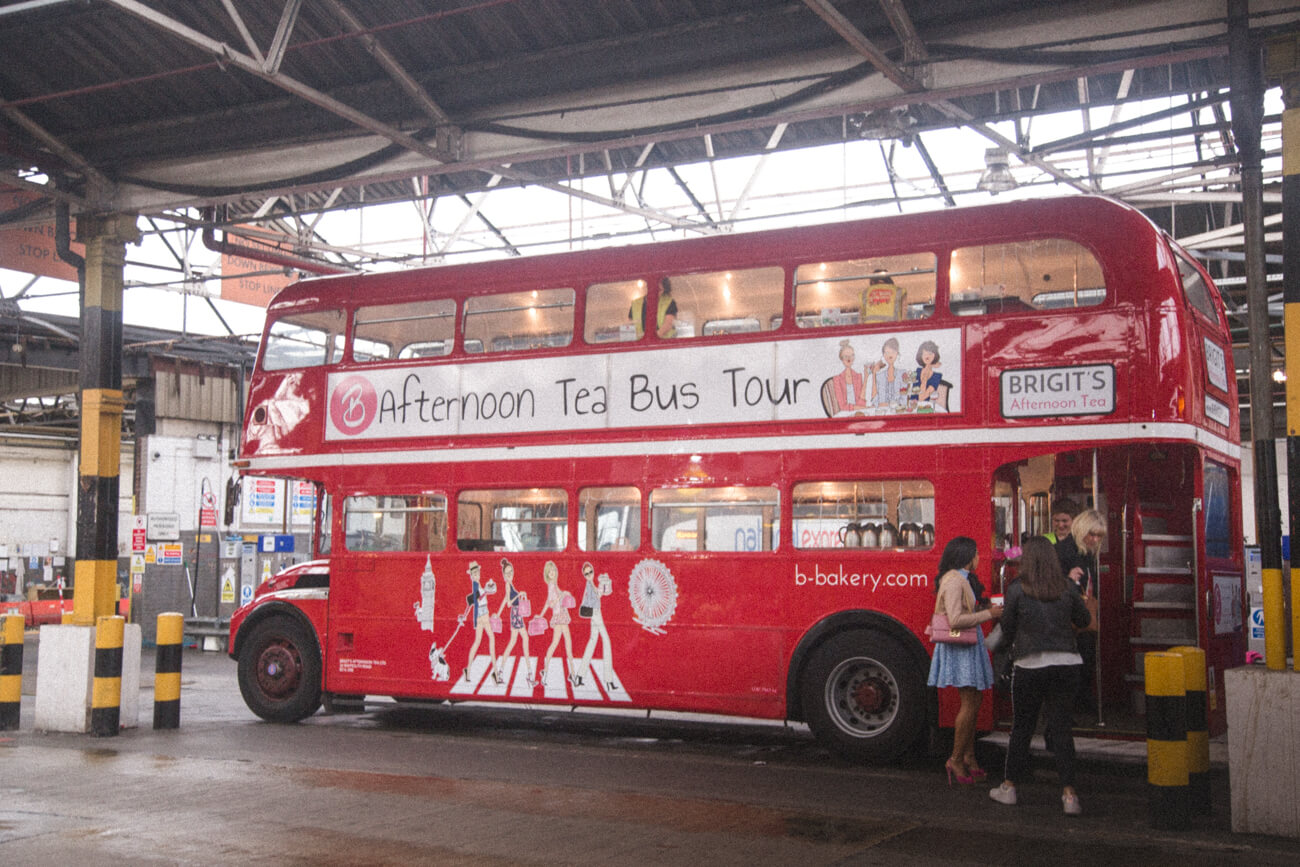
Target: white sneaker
(1005, 794)
(1070, 803)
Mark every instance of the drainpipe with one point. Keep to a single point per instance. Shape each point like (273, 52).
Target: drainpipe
(63, 242)
(263, 254)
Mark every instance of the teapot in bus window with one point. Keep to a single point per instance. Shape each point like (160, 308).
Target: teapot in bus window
(851, 536)
(888, 535)
(910, 535)
(870, 535)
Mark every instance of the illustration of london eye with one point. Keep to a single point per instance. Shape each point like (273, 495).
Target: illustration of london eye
(653, 594)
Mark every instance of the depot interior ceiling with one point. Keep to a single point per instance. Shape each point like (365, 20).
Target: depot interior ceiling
(235, 113)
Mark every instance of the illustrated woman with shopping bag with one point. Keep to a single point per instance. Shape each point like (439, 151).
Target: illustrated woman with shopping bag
(558, 604)
(478, 610)
(517, 601)
(591, 609)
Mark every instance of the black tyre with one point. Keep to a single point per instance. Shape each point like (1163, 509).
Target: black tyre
(280, 670)
(863, 696)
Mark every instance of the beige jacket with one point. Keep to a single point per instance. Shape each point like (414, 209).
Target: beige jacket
(957, 600)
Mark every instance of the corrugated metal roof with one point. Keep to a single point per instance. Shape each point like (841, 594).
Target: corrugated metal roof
(154, 106)
(120, 84)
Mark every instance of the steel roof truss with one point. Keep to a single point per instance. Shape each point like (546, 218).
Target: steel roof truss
(225, 52)
(908, 84)
(934, 171)
(244, 32)
(772, 142)
(449, 139)
(65, 153)
(288, 18)
(474, 207)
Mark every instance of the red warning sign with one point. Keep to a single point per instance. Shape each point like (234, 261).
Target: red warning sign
(31, 248)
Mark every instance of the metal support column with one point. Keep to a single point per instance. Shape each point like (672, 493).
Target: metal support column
(101, 400)
(1282, 66)
(1247, 120)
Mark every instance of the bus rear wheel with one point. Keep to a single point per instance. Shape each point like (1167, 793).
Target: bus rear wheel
(863, 696)
(280, 671)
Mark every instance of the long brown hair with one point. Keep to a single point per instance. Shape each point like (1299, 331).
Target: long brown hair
(1040, 570)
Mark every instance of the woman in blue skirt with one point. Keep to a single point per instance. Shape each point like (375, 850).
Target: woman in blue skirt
(965, 667)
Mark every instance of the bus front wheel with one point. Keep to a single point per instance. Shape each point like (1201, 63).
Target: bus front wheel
(863, 697)
(280, 671)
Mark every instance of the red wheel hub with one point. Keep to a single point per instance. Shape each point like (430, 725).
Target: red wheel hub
(871, 695)
(278, 670)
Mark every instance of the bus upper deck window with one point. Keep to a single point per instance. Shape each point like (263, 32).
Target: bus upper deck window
(1024, 276)
(418, 329)
(610, 310)
(1196, 290)
(513, 321)
(874, 289)
(304, 340)
(720, 302)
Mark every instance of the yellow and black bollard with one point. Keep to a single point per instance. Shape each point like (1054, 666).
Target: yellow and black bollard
(1198, 729)
(106, 692)
(167, 672)
(1166, 707)
(11, 670)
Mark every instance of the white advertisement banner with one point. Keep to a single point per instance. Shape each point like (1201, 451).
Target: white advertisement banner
(879, 375)
(1216, 364)
(1052, 391)
(1216, 410)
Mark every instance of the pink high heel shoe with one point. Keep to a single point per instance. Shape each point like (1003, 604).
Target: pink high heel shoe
(964, 779)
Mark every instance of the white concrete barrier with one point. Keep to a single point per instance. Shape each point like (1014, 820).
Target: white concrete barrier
(1263, 747)
(65, 672)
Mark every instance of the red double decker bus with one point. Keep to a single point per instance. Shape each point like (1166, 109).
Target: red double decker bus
(716, 475)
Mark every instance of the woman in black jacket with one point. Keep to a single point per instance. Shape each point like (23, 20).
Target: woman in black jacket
(1039, 620)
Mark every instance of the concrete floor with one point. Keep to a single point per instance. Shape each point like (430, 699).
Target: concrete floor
(525, 785)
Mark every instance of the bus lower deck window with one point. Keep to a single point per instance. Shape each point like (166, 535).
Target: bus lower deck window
(609, 519)
(889, 514)
(395, 523)
(715, 519)
(527, 519)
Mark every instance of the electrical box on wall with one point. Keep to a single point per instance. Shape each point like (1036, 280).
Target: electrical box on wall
(275, 543)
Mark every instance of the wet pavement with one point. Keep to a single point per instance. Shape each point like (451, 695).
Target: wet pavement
(469, 784)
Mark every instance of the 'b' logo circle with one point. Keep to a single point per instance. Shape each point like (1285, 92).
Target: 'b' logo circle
(353, 405)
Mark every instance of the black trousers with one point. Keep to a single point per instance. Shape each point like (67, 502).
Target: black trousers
(1050, 690)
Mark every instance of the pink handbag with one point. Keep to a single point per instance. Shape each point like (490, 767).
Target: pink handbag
(941, 633)
(525, 607)
(567, 600)
(537, 625)
(495, 623)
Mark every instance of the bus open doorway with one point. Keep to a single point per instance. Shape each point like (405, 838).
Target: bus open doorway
(1170, 567)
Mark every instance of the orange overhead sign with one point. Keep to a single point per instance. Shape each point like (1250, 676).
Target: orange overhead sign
(31, 248)
(249, 281)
